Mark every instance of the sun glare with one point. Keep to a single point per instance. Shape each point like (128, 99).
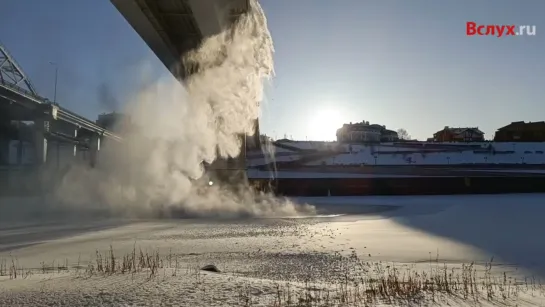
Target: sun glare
(324, 124)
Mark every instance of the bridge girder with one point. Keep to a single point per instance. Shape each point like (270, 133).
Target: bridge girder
(171, 28)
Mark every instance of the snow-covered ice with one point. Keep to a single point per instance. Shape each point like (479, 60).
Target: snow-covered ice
(255, 256)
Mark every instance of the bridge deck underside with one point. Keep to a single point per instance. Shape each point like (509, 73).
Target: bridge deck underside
(173, 27)
(12, 111)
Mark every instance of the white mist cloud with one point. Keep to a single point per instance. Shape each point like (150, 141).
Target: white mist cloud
(175, 129)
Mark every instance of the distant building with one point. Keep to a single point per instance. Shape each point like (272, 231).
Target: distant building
(449, 134)
(366, 133)
(113, 121)
(521, 132)
(388, 135)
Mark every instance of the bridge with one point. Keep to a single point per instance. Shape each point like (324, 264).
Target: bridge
(171, 28)
(38, 134)
(30, 123)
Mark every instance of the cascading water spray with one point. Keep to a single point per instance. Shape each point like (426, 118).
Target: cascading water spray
(175, 129)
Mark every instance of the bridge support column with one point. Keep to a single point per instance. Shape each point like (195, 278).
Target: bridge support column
(94, 149)
(75, 151)
(41, 127)
(4, 151)
(4, 141)
(19, 150)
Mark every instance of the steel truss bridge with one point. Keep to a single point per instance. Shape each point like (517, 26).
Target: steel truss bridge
(54, 134)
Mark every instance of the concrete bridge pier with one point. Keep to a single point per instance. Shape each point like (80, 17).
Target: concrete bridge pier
(94, 149)
(19, 158)
(41, 126)
(4, 143)
(75, 150)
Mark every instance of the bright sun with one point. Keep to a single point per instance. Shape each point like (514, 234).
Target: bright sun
(323, 125)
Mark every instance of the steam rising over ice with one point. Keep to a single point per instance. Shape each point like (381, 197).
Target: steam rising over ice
(174, 129)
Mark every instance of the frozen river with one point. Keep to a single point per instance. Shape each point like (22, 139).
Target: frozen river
(404, 231)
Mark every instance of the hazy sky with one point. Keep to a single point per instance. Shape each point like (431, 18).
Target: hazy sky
(398, 63)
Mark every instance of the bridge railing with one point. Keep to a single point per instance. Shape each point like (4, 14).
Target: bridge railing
(24, 92)
(63, 113)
